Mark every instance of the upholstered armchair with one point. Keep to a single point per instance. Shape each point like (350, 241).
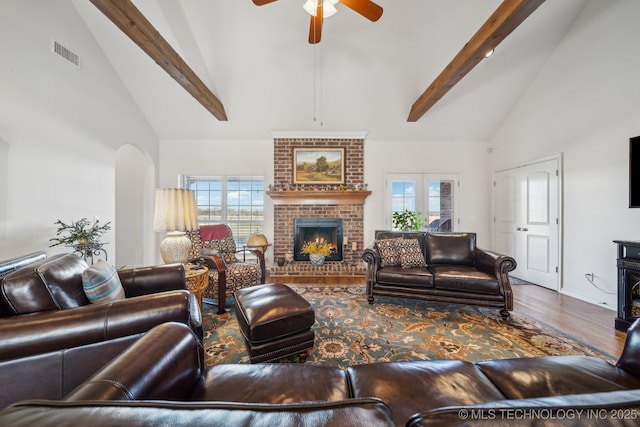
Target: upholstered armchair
(215, 246)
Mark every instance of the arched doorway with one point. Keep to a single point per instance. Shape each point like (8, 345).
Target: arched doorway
(135, 183)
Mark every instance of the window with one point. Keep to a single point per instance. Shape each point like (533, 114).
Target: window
(237, 201)
(403, 196)
(433, 195)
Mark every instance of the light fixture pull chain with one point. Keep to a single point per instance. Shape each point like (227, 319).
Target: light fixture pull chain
(321, 89)
(318, 79)
(314, 82)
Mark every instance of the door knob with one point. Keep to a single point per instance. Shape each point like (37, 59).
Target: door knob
(525, 229)
(518, 228)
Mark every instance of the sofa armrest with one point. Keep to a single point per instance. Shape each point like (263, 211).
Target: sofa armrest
(365, 412)
(371, 257)
(151, 280)
(37, 333)
(493, 263)
(167, 364)
(630, 357)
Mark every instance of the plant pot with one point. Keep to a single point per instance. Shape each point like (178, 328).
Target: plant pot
(316, 259)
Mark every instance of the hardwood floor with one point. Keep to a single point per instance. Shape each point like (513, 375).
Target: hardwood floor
(589, 323)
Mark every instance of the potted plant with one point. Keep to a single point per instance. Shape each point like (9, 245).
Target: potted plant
(317, 251)
(407, 220)
(81, 232)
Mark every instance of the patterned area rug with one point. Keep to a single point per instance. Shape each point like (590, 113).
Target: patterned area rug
(350, 331)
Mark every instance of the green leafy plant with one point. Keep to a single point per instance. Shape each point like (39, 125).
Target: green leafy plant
(319, 247)
(79, 232)
(407, 220)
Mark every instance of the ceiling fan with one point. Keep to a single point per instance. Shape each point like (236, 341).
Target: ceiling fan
(320, 9)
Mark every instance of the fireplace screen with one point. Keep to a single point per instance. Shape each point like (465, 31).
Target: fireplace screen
(317, 229)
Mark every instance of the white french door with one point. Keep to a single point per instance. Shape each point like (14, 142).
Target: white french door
(435, 196)
(527, 220)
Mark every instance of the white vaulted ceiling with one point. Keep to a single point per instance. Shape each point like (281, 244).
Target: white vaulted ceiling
(362, 76)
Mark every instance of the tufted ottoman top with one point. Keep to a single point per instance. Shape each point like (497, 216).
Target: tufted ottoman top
(270, 312)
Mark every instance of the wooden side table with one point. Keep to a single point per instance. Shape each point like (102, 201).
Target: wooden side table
(197, 279)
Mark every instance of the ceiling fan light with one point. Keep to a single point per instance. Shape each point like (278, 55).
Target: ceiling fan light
(310, 7)
(328, 8)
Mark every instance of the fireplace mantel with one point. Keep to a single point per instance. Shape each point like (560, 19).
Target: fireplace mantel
(319, 197)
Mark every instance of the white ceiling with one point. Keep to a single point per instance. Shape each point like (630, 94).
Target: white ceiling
(363, 76)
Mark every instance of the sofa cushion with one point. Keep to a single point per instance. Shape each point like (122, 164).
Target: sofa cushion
(410, 253)
(414, 386)
(273, 383)
(388, 252)
(413, 277)
(555, 375)
(51, 284)
(463, 278)
(101, 283)
(451, 248)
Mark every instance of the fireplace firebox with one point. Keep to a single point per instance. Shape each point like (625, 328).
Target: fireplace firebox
(317, 229)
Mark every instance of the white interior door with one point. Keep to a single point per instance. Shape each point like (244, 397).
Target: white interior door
(527, 220)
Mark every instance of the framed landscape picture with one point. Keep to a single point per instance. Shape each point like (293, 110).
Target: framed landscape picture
(318, 165)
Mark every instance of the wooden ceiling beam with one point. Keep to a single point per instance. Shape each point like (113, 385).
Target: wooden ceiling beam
(507, 17)
(133, 23)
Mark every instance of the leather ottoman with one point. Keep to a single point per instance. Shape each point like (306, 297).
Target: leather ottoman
(275, 322)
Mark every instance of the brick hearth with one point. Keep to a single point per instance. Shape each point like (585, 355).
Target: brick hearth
(318, 204)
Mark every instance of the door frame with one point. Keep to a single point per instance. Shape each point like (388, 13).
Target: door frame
(559, 158)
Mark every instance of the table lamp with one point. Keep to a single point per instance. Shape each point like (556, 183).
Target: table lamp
(175, 213)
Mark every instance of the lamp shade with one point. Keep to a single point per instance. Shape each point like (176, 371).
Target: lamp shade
(175, 210)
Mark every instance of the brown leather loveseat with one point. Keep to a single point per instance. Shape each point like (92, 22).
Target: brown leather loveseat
(160, 381)
(52, 338)
(448, 268)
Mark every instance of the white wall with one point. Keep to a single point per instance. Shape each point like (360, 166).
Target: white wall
(62, 126)
(584, 103)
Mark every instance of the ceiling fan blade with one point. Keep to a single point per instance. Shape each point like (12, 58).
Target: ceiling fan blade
(262, 2)
(315, 26)
(366, 8)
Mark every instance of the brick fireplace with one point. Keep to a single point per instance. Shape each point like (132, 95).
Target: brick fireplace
(344, 202)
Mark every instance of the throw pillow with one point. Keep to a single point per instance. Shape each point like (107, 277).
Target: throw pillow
(410, 253)
(388, 252)
(101, 283)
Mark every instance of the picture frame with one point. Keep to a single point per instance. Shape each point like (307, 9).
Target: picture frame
(318, 165)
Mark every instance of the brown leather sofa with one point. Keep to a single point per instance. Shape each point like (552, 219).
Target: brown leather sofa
(52, 338)
(160, 380)
(456, 272)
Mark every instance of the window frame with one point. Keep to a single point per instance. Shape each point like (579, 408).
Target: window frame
(421, 197)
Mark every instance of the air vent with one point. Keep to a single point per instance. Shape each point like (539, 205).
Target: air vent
(66, 53)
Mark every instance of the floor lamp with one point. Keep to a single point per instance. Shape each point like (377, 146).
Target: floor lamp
(175, 213)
